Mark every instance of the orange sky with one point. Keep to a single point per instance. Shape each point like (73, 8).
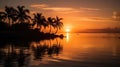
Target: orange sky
(76, 14)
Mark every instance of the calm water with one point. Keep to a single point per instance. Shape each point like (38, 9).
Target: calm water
(76, 50)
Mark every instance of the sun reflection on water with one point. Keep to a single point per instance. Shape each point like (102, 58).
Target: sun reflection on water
(67, 37)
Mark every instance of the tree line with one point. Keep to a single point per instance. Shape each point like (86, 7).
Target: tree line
(20, 17)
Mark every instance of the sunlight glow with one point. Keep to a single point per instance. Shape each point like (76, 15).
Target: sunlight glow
(67, 37)
(67, 30)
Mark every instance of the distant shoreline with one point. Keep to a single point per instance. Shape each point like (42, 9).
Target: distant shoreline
(97, 32)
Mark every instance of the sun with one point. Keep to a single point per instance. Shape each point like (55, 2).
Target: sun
(67, 30)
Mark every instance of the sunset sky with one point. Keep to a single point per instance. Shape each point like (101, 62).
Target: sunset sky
(76, 14)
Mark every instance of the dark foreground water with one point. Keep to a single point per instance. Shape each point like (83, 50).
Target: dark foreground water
(76, 50)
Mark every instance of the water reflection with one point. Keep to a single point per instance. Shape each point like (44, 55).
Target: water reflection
(93, 50)
(67, 37)
(41, 50)
(80, 50)
(19, 54)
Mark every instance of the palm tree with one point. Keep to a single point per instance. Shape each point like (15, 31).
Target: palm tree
(3, 25)
(10, 13)
(23, 14)
(51, 23)
(2, 16)
(45, 24)
(13, 15)
(58, 24)
(39, 20)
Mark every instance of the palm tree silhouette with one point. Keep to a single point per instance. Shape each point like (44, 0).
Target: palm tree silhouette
(2, 17)
(18, 20)
(3, 24)
(58, 23)
(23, 14)
(8, 13)
(40, 20)
(50, 20)
(45, 24)
(11, 14)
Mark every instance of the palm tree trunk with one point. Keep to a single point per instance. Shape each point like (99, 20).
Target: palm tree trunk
(9, 20)
(9, 24)
(50, 29)
(40, 28)
(56, 30)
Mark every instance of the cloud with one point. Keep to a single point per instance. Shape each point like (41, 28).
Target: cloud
(63, 10)
(93, 19)
(47, 7)
(58, 8)
(86, 19)
(101, 18)
(39, 5)
(89, 9)
(116, 15)
(68, 12)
